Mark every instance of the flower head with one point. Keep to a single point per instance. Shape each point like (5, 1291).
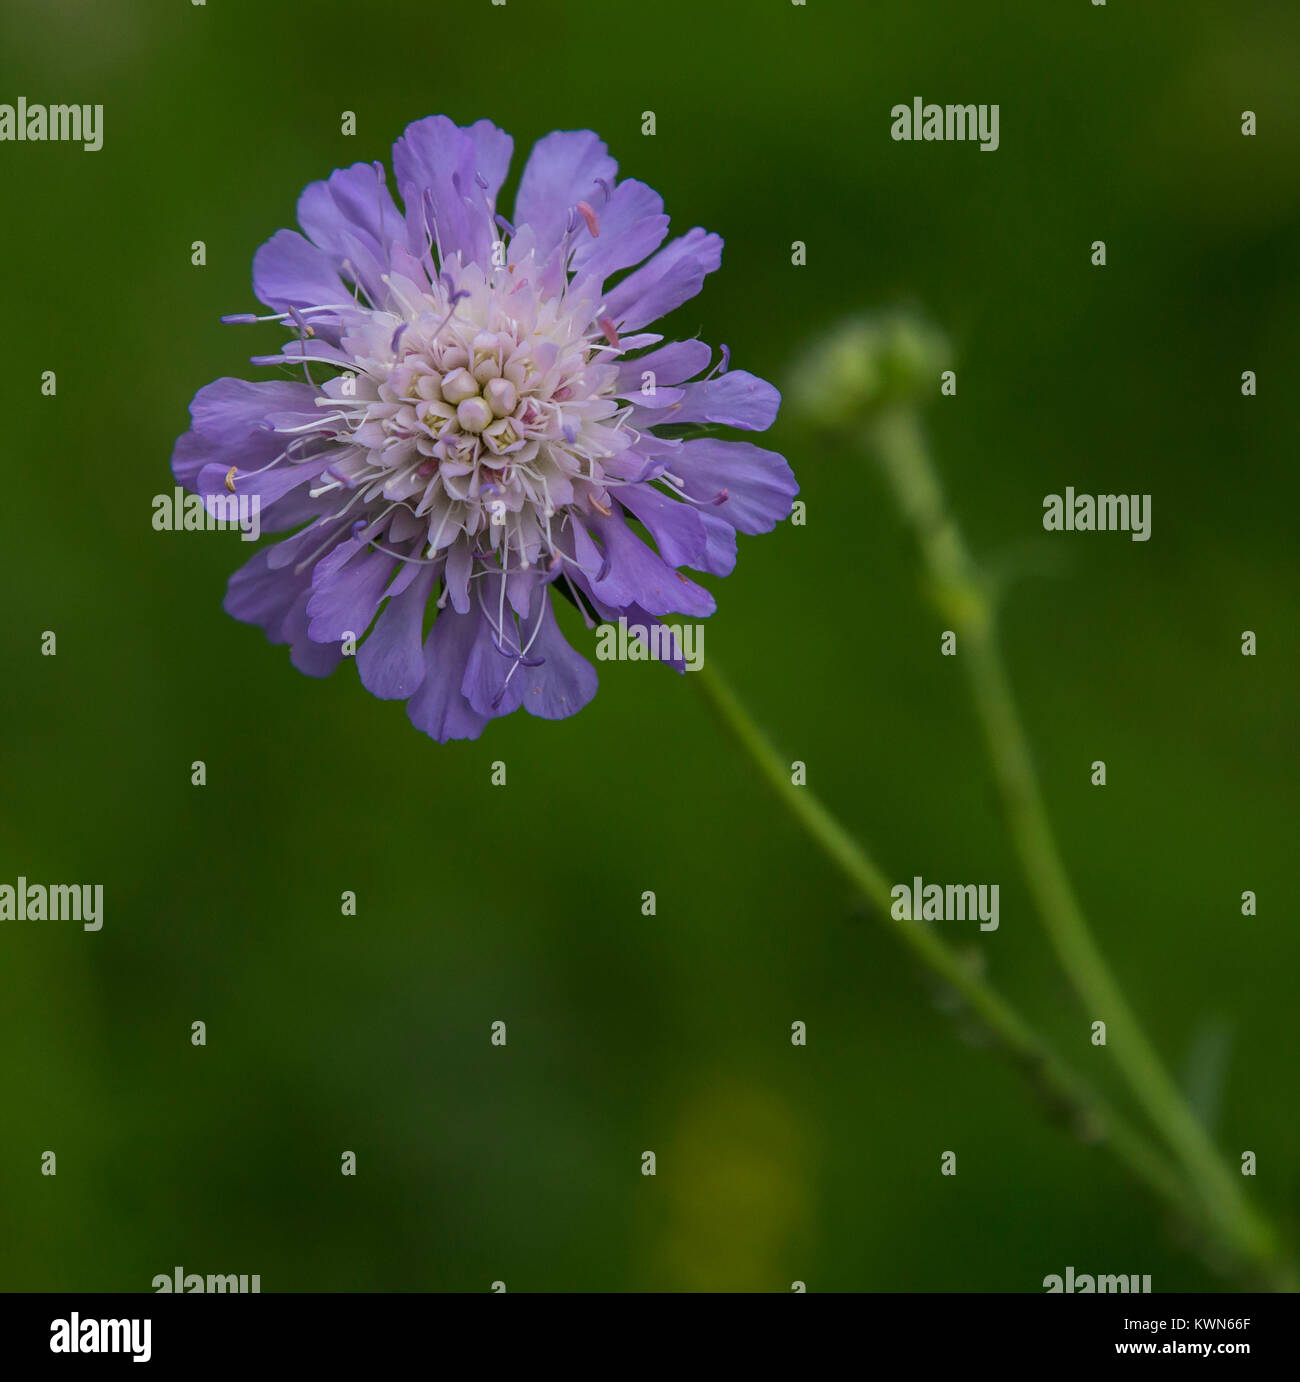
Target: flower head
(475, 422)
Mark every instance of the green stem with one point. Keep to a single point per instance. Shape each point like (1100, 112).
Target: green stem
(1017, 1038)
(961, 595)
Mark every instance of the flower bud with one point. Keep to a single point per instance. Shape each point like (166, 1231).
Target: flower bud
(459, 385)
(473, 414)
(866, 364)
(502, 396)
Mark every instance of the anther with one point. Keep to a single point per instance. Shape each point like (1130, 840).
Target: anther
(589, 216)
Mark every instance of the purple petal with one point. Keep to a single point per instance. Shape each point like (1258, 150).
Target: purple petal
(565, 681)
(277, 601)
(674, 276)
(561, 171)
(638, 575)
(289, 271)
(352, 215)
(347, 586)
(258, 594)
(268, 488)
(720, 550)
(493, 683)
(437, 707)
(436, 157)
(736, 399)
(391, 661)
(310, 657)
(460, 561)
(674, 524)
(759, 485)
(632, 225)
(669, 365)
(227, 418)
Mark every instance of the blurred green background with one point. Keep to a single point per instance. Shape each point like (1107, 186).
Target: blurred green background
(626, 1033)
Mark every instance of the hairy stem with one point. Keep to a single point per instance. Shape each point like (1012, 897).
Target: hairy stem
(1015, 1036)
(962, 597)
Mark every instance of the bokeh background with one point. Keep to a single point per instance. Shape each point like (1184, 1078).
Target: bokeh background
(329, 1033)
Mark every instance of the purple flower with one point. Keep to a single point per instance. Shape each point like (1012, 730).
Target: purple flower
(477, 423)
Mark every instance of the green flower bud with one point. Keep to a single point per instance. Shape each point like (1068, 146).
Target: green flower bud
(864, 365)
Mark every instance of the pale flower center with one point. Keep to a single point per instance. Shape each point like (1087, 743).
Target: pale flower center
(479, 411)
